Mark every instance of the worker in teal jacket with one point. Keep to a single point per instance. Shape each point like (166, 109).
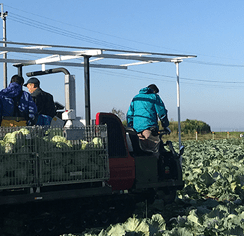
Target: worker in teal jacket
(144, 111)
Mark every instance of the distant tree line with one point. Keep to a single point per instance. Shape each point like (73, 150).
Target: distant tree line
(119, 113)
(187, 126)
(190, 126)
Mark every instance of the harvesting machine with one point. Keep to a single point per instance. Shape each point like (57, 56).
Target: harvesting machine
(62, 178)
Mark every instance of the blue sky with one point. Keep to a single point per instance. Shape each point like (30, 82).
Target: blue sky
(211, 85)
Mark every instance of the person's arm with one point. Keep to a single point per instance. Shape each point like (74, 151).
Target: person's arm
(161, 111)
(164, 121)
(40, 103)
(52, 107)
(49, 105)
(32, 110)
(129, 116)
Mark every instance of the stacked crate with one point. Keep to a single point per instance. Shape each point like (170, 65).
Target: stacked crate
(39, 156)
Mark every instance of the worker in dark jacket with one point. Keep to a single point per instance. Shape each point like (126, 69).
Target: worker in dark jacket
(143, 114)
(43, 100)
(16, 106)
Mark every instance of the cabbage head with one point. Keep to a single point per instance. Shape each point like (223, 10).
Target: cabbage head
(97, 142)
(16, 137)
(83, 144)
(9, 147)
(61, 142)
(24, 131)
(2, 146)
(10, 137)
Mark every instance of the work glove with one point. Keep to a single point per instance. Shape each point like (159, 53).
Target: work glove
(164, 121)
(167, 130)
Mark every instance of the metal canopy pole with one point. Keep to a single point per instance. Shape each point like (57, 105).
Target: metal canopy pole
(178, 100)
(57, 55)
(3, 16)
(87, 90)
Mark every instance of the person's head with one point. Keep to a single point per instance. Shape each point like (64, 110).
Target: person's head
(17, 79)
(32, 84)
(154, 88)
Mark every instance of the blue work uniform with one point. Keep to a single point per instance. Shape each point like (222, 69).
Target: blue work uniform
(26, 106)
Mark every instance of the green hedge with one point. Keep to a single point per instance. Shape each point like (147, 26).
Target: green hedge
(187, 126)
(191, 126)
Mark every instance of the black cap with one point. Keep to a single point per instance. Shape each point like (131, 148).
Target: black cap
(154, 88)
(32, 80)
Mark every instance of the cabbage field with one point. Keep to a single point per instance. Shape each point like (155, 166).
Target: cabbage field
(211, 202)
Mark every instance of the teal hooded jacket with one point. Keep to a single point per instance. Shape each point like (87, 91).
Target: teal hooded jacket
(145, 109)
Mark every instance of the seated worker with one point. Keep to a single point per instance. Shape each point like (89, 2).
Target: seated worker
(16, 106)
(43, 100)
(143, 114)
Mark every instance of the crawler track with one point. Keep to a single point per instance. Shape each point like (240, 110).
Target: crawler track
(69, 216)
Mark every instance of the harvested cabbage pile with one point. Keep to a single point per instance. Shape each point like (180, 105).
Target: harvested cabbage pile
(15, 152)
(37, 156)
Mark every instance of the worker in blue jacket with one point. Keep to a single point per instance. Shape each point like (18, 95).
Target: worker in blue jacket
(143, 114)
(16, 106)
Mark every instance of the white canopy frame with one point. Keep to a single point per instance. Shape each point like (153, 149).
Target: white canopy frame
(58, 55)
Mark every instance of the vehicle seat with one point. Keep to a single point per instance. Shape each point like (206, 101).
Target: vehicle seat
(136, 148)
